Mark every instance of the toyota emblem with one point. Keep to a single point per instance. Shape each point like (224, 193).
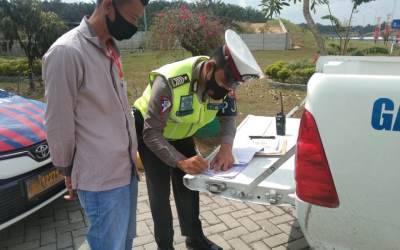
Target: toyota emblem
(42, 152)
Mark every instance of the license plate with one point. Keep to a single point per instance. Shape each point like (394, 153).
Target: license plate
(40, 183)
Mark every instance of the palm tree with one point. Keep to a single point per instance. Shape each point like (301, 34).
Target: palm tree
(311, 25)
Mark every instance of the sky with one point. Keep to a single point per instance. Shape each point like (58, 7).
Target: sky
(367, 13)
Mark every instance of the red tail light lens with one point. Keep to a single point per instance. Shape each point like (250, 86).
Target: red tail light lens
(314, 182)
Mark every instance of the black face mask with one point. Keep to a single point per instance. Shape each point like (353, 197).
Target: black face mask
(120, 29)
(218, 92)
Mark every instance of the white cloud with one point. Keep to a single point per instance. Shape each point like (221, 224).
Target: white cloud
(243, 3)
(367, 13)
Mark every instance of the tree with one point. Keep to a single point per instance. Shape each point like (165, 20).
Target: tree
(273, 7)
(340, 31)
(71, 13)
(343, 30)
(23, 22)
(197, 32)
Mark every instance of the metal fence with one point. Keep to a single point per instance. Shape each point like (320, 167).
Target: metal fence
(16, 50)
(259, 41)
(139, 41)
(267, 41)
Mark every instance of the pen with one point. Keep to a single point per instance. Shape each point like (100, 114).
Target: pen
(261, 137)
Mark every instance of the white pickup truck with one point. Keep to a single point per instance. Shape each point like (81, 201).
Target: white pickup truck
(344, 168)
(348, 155)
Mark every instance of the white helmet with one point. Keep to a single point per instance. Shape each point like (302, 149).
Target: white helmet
(241, 62)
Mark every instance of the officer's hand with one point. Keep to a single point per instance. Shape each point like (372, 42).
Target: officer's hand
(193, 165)
(224, 159)
(71, 196)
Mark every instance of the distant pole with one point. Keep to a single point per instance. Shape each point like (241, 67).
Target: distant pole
(144, 37)
(145, 21)
(377, 30)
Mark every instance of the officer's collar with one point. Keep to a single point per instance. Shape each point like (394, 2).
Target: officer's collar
(194, 86)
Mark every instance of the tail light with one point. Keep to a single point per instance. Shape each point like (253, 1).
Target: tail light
(314, 182)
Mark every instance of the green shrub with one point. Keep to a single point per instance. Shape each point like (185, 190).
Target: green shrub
(37, 67)
(19, 67)
(284, 74)
(298, 71)
(280, 63)
(376, 50)
(352, 51)
(307, 72)
(370, 51)
(273, 69)
(357, 53)
(300, 64)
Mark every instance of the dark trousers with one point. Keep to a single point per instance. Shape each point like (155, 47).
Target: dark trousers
(158, 176)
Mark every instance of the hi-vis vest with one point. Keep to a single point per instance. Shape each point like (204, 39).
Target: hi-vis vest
(188, 113)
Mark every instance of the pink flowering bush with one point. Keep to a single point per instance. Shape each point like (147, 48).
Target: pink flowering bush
(197, 32)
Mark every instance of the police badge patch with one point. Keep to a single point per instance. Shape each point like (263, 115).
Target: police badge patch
(186, 105)
(165, 104)
(179, 80)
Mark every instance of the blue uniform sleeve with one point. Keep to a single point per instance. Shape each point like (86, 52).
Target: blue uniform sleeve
(227, 119)
(230, 108)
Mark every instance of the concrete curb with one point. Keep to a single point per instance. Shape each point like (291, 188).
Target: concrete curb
(289, 86)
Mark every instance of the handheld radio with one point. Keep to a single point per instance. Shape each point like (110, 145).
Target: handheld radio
(280, 120)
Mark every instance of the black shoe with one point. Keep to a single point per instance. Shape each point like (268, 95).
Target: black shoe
(171, 248)
(201, 243)
(165, 246)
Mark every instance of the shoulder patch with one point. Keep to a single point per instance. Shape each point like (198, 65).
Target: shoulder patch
(230, 107)
(178, 80)
(165, 104)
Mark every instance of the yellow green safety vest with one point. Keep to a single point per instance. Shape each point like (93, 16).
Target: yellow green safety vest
(188, 113)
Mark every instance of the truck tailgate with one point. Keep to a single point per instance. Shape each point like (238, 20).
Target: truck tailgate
(357, 115)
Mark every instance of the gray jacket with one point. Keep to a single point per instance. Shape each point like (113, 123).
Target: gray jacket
(88, 118)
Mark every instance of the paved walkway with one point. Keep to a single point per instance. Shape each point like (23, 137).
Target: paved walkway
(233, 225)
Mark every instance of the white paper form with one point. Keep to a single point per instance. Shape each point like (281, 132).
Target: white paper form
(244, 148)
(242, 157)
(230, 173)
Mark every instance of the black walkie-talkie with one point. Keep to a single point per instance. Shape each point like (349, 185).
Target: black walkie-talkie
(280, 120)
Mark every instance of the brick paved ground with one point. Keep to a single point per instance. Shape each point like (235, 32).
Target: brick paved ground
(233, 225)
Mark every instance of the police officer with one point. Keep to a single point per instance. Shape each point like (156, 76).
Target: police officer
(181, 98)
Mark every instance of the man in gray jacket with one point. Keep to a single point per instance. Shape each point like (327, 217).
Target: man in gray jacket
(90, 128)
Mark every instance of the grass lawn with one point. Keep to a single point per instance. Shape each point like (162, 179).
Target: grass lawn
(138, 65)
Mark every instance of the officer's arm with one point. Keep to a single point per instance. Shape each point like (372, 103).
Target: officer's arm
(160, 105)
(227, 119)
